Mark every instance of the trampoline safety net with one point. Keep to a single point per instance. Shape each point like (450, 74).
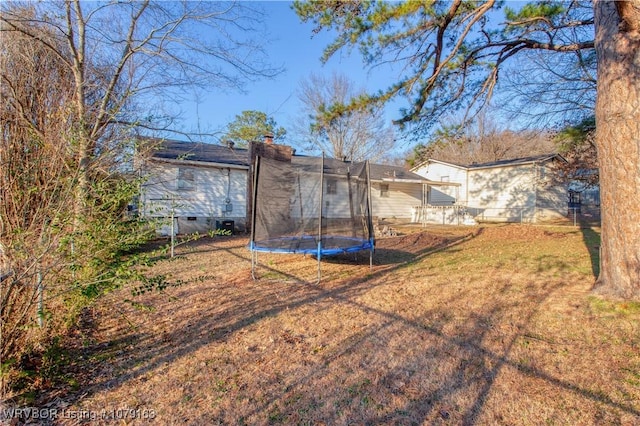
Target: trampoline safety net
(311, 205)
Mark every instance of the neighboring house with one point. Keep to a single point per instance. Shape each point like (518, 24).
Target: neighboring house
(201, 186)
(516, 190)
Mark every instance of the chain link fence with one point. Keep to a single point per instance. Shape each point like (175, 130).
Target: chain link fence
(461, 215)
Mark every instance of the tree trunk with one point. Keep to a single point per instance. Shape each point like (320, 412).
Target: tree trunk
(618, 140)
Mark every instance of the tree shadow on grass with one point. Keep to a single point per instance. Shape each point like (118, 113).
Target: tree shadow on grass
(591, 239)
(419, 359)
(474, 368)
(402, 250)
(211, 327)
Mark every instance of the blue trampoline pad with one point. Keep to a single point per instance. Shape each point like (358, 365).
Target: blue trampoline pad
(307, 244)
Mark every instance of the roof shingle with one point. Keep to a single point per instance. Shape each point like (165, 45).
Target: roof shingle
(210, 153)
(198, 151)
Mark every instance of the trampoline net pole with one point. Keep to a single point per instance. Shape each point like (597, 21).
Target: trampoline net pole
(320, 215)
(369, 214)
(299, 200)
(254, 261)
(254, 254)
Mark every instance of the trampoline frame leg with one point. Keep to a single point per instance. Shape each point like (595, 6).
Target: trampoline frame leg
(319, 267)
(254, 261)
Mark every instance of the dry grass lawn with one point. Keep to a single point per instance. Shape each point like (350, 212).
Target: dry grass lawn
(453, 326)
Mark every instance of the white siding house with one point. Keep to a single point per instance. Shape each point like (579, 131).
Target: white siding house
(395, 192)
(194, 187)
(452, 178)
(517, 190)
(200, 186)
(395, 200)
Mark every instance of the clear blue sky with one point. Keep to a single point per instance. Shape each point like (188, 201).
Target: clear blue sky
(293, 46)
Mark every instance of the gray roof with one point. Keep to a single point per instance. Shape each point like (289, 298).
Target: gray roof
(198, 151)
(387, 172)
(499, 163)
(514, 161)
(210, 153)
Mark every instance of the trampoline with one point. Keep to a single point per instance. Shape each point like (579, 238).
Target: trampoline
(308, 244)
(311, 205)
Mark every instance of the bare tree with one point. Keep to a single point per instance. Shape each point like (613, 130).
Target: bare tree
(577, 144)
(550, 88)
(138, 50)
(482, 141)
(79, 79)
(36, 181)
(328, 126)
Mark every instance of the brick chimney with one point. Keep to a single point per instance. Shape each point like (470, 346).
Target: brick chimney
(268, 139)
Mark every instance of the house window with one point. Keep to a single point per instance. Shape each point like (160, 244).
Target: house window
(186, 180)
(332, 186)
(384, 190)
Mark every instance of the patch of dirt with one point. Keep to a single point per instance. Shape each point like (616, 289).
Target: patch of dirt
(519, 232)
(413, 243)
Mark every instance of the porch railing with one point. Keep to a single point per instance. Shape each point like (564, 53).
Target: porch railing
(446, 215)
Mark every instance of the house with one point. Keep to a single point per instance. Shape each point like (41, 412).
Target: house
(515, 190)
(196, 187)
(394, 191)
